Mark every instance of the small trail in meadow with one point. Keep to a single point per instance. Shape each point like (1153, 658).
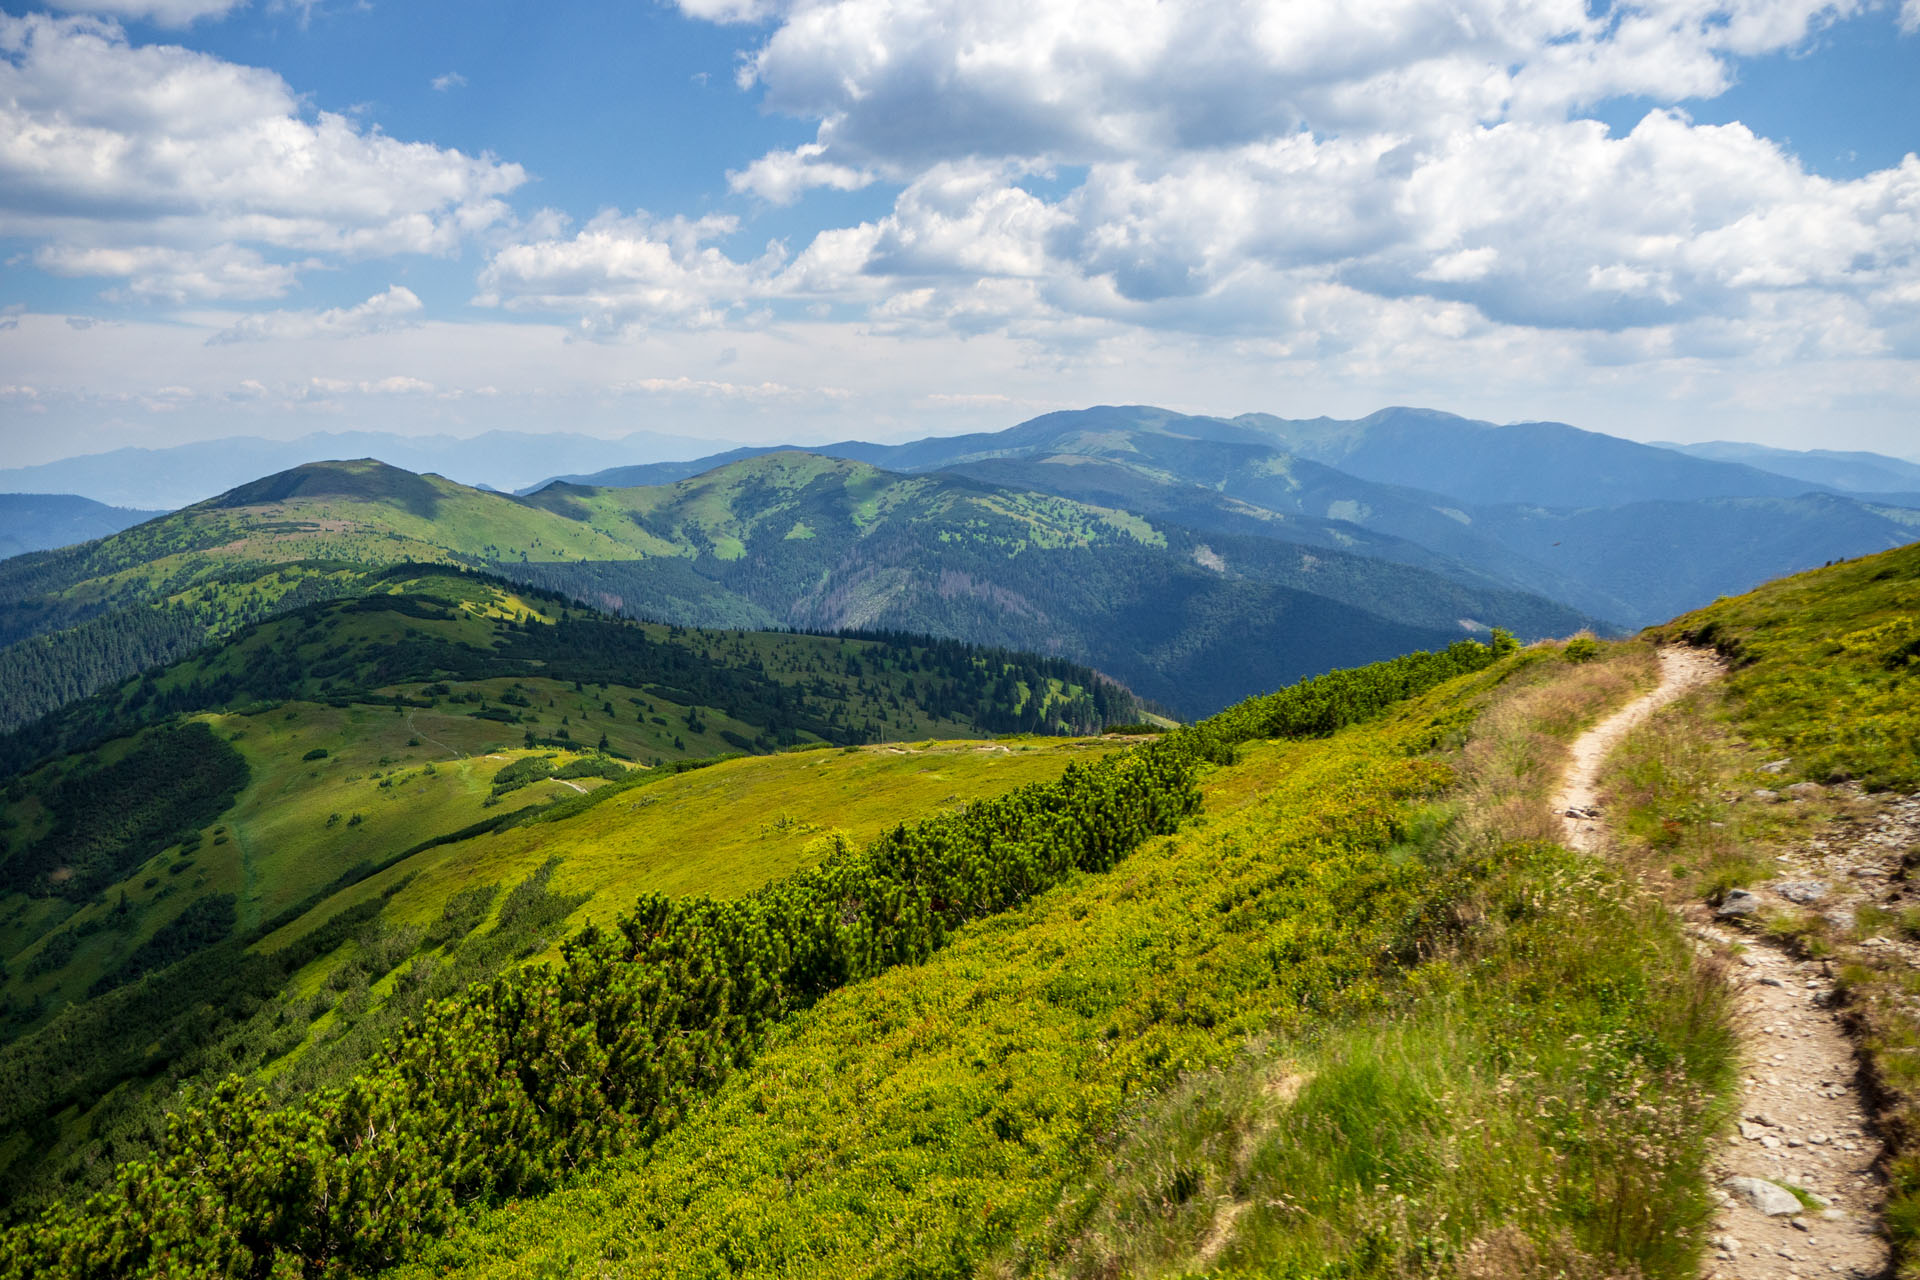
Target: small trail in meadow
(416, 730)
(1802, 1119)
(1578, 801)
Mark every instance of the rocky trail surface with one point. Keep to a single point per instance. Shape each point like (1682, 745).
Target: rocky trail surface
(1803, 1123)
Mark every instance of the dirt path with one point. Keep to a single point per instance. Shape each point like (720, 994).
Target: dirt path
(416, 730)
(1802, 1118)
(1578, 801)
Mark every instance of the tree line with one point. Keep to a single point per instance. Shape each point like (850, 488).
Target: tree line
(543, 1070)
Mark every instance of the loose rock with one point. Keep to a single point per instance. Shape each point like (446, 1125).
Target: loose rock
(1802, 891)
(1768, 1197)
(1738, 903)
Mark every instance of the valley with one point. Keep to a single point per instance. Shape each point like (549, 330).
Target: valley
(426, 880)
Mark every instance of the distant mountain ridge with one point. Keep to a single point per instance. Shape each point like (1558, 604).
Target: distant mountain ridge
(1623, 531)
(1192, 619)
(40, 521)
(179, 476)
(1855, 471)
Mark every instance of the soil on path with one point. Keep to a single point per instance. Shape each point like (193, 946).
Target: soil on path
(1802, 1119)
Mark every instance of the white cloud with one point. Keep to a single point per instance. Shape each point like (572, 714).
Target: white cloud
(165, 13)
(385, 312)
(758, 391)
(190, 176)
(899, 86)
(1909, 17)
(451, 80)
(392, 385)
(175, 275)
(1244, 166)
(731, 11)
(620, 271)
(781, 177)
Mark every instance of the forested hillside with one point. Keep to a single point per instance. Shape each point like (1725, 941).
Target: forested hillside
(328, 792)
(1298, 989)
(1627, 532)
(785, 539)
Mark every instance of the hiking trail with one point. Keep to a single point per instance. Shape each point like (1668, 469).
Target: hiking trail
(1802, 1119)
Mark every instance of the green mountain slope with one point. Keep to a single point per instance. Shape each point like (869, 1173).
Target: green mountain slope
(242, 825)
(1628, 532)
(822, 543)
(1575, 516)
(784, 539)
(1278, 994)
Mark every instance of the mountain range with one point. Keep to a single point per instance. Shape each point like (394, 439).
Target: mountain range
(1191, 618)
(815, 827)
(39, 521)
(1626, 532)
(180, 475)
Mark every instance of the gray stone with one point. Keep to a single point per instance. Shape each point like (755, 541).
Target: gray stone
(1805, 790)
(1737, 903)
(1769, 1198)
(1763, 795)
(1777, 766)
(1802, 891)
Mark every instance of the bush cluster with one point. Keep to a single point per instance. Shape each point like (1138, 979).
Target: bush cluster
(533, 1074)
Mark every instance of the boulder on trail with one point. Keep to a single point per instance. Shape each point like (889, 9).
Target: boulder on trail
(1737, 903)
(1802, 891)
(1769, 1198)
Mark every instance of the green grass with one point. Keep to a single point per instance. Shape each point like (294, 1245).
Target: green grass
(724, 830)
(1334, 1027)
(1824, 667)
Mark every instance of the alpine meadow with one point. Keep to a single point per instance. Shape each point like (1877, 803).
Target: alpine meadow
(935, 640)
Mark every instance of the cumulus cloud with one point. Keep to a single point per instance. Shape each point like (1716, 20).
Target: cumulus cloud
(393, 385)
(175, 275)
(621, 271)
(385, 312)
(781, 177)
(190, 176)
(898, 86)
(450, 80)
(1314, 174)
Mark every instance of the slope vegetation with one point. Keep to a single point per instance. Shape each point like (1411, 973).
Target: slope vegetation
(1624, 531)
(783, 539)
(214, 833)
(1289, 991)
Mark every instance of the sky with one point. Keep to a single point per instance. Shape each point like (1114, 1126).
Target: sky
(811, 220)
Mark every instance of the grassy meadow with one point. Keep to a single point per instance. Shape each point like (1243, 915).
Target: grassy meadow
(1360, 1017)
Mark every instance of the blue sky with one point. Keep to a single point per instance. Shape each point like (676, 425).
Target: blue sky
(814, 219)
